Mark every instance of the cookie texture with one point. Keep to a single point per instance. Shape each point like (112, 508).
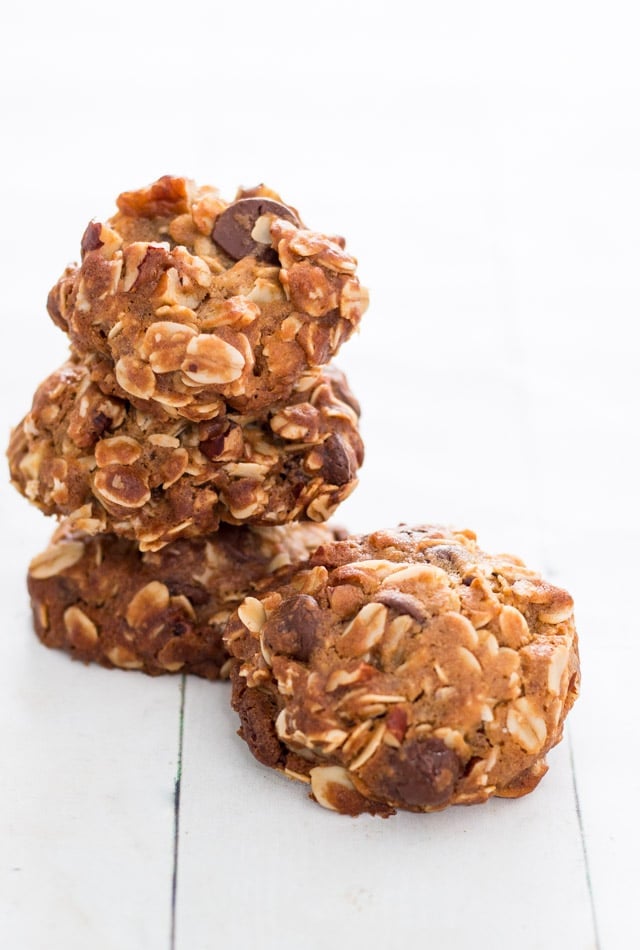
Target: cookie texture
(139, 473)
(406, 669)
(104, 601)
(198, 302)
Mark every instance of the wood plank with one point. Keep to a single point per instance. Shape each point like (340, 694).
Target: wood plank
(87, 786)
(587, 402)
(260, 864)
(450, 436)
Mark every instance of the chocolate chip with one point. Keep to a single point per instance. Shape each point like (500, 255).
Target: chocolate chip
(91, 238)
(179, 628)
(402, 603)
(446, 556)
(292, 630)
(419, 774)
(336, 467)
(232, 230)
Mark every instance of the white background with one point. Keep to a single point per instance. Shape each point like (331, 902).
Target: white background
(483, 160)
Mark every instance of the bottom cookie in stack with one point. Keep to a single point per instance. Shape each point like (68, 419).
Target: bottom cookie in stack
(405, 669)
(103, 600)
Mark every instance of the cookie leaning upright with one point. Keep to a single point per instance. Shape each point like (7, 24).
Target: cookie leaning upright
(199, 302)
(406, 669)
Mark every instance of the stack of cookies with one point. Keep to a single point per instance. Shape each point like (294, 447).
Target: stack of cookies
(196, 415)
(195, 444)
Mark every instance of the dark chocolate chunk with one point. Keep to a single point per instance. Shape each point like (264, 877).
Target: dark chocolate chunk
(336, 467)
(402, 603)
(232, 230)
(418, 774)
(292, 630)
(446, 556)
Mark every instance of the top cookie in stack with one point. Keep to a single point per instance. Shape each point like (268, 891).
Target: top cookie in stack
(201, 305)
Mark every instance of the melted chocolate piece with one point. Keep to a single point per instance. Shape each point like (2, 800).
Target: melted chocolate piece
(232, 230)
(336, 468)
(402, 603)
(418, 774)
(292, 629)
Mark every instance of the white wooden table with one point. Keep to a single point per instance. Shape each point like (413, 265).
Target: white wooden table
(483, 163)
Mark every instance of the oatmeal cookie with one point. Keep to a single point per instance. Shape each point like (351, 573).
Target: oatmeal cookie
(406, 669)
(113, 467)
(102, 600)
(197, 301)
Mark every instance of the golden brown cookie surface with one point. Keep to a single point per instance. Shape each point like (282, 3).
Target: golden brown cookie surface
(406, 669)
(196, 301)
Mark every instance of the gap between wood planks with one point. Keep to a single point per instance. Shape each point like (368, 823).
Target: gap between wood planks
(176, 815)
(551, 573)
(537, 477)
(585, 854)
